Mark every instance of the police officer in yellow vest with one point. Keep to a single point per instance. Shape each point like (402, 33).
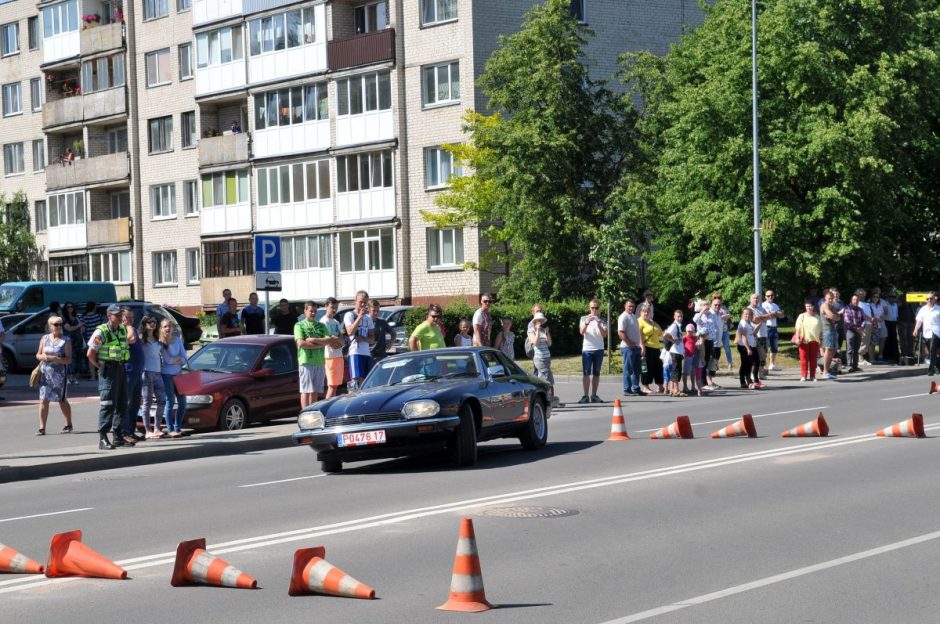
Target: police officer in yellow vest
(108, 351)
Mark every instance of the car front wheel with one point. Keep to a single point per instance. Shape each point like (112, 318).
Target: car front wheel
(9, 364)
(234, 416)
(535, 432)
(465, 442)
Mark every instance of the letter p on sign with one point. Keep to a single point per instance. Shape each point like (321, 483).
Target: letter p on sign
(267, 254)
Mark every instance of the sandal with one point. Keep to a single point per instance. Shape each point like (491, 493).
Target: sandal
(66, 429)
(40, 432)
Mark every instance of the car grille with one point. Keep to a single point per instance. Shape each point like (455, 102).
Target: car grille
(340, 421)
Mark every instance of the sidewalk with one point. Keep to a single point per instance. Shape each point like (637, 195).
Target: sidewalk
(24, 456)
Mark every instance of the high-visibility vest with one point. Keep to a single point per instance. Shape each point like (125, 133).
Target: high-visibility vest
(114, 348)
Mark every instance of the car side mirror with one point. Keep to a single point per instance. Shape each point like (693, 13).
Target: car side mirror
(496, 370)
(262, 373)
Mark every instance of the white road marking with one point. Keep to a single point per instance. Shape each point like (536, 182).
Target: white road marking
(777, 578)
(712, 422)
(282, 481)
(51, 513)
(906, 396)
(465, 506)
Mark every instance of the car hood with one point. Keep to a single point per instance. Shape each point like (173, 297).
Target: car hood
(203, 382)
(391, 398)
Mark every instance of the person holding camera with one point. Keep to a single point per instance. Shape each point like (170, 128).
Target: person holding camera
(594, 330)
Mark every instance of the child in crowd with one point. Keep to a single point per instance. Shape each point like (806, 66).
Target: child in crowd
(463, 339)
(506, 340)
(692, 346)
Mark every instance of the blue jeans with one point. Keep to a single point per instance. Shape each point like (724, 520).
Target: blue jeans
(773, 339)
(726, 342)
(631, 369)
(173, 422)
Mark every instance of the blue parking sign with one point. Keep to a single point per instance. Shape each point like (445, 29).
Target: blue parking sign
(267, 254)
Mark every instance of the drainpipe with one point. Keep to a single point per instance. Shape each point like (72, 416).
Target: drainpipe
(133, 145)
(404, 186)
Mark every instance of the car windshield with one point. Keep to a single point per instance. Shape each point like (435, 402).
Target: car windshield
(418, 368)
(225, 358)
(8, 295)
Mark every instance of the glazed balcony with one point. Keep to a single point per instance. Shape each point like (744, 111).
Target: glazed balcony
(223, 150)
(86, 172)
(359, 50)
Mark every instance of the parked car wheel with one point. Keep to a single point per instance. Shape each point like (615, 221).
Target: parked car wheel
(465, 441)
(9, 364)
(234, 416)
(535, 434)
(331, 465)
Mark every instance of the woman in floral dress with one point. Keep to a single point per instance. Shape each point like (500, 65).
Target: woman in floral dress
(54, 355)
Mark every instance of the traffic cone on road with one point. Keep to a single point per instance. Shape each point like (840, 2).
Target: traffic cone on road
(314, 575)
(69, 557)
(682, 428)
(466, 585)
(196, 566)
(618, 427)
(817, 427)
(744, 427)
(913, 427)
(11, 560)
(933, 387)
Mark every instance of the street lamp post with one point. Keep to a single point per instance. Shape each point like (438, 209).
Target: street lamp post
(757, 245)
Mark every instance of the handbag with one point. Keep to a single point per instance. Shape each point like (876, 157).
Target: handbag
(529, 348)
(35, 375)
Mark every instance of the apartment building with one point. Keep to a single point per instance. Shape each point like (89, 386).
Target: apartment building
(204, 122)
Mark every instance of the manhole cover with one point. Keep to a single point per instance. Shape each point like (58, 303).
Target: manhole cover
(529, 512)
(109, 478)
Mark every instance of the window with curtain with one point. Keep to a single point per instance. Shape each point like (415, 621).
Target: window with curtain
(435, 11)
(440, 84)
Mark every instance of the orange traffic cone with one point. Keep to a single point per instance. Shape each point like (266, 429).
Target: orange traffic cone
(14, 561)
(933, 387)
(744, 427)
(69, 557)
(196, 566)
(913, 427)
(682, 428)
(466, 585)
(817, 427)
(618, 428)
(313, 574)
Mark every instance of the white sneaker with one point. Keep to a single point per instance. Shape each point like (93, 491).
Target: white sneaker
(802, 378)
(773, 367)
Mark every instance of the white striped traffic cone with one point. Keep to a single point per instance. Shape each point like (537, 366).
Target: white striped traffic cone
(466, 585)
(196, 566)
(744, 427)
(682, 428)
(817, 427)
(618, 427)
(12, 560)
(314, 575)
(913, 427)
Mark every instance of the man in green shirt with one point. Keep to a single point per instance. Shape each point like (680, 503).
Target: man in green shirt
(428, 335)
(310, 336)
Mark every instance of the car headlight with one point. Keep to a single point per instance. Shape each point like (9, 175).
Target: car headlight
(424, 408)
(310, 420)
(199, 399)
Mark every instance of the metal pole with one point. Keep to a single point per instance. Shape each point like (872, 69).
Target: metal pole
(757, 245)
(267, 304)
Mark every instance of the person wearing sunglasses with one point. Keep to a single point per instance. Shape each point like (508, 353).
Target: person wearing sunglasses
(594, 330)
(928, 318)
(427, 335)
(54, 355)
(482, 322)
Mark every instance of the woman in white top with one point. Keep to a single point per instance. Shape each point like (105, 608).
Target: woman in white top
(746, 339)
(151, 387)
(541, 340)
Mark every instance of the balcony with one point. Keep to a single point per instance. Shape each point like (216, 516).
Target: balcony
(223, 150)
(88, 172)
(102, 39)
(374, 47)
(61, 237)
(109, 232)
(205, 11)
(61, 47)
(62, 112)
(103, 104)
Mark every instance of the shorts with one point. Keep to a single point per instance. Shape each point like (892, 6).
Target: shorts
(830, 338)
(677, 367)
(311, 377)
(359, 366)
(334, 371)
(689, 363)
(773, 339)
(591, 362)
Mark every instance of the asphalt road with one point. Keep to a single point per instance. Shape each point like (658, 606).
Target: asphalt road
(838, 529)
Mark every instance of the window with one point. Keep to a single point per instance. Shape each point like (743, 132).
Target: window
(60, 18)
(39, 155)
(35, 94)
(12, 99)
(188, 129)
(440, 84)
(163, 201)
(164, 268)
(366, 250)
(360, 172)
(69, 269)
(161, 134)
(66, 209)
(190, 198)
(439, 167)
(186, 61)
(283, 30)
(228, 258)
(120, 204)
(32, 29)
(158, 67)
(369, 92)
(295, 105)
(294, 183)
(225, 189)
(156, 8)
(445, 248)
(219, 47)
(577, 10)
(41, 216)
(13, 159)
(117, 140)
(102, 73)
(114, 266)
(192, 265)
(306, 252)
(434, 11)
(371, 17)
(183, 5)
(9, 38)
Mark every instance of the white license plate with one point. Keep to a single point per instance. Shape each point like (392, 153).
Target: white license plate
(361, 438)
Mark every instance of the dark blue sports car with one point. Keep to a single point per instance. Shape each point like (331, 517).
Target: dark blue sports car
(425, 401)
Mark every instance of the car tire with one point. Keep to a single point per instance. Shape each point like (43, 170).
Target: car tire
(465, 439)
(331, 466)
(9, 364)
(534, 434)
(234, 416)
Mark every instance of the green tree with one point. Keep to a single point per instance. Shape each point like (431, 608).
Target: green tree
(544, 160)
(18, 253)
(849, 152)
